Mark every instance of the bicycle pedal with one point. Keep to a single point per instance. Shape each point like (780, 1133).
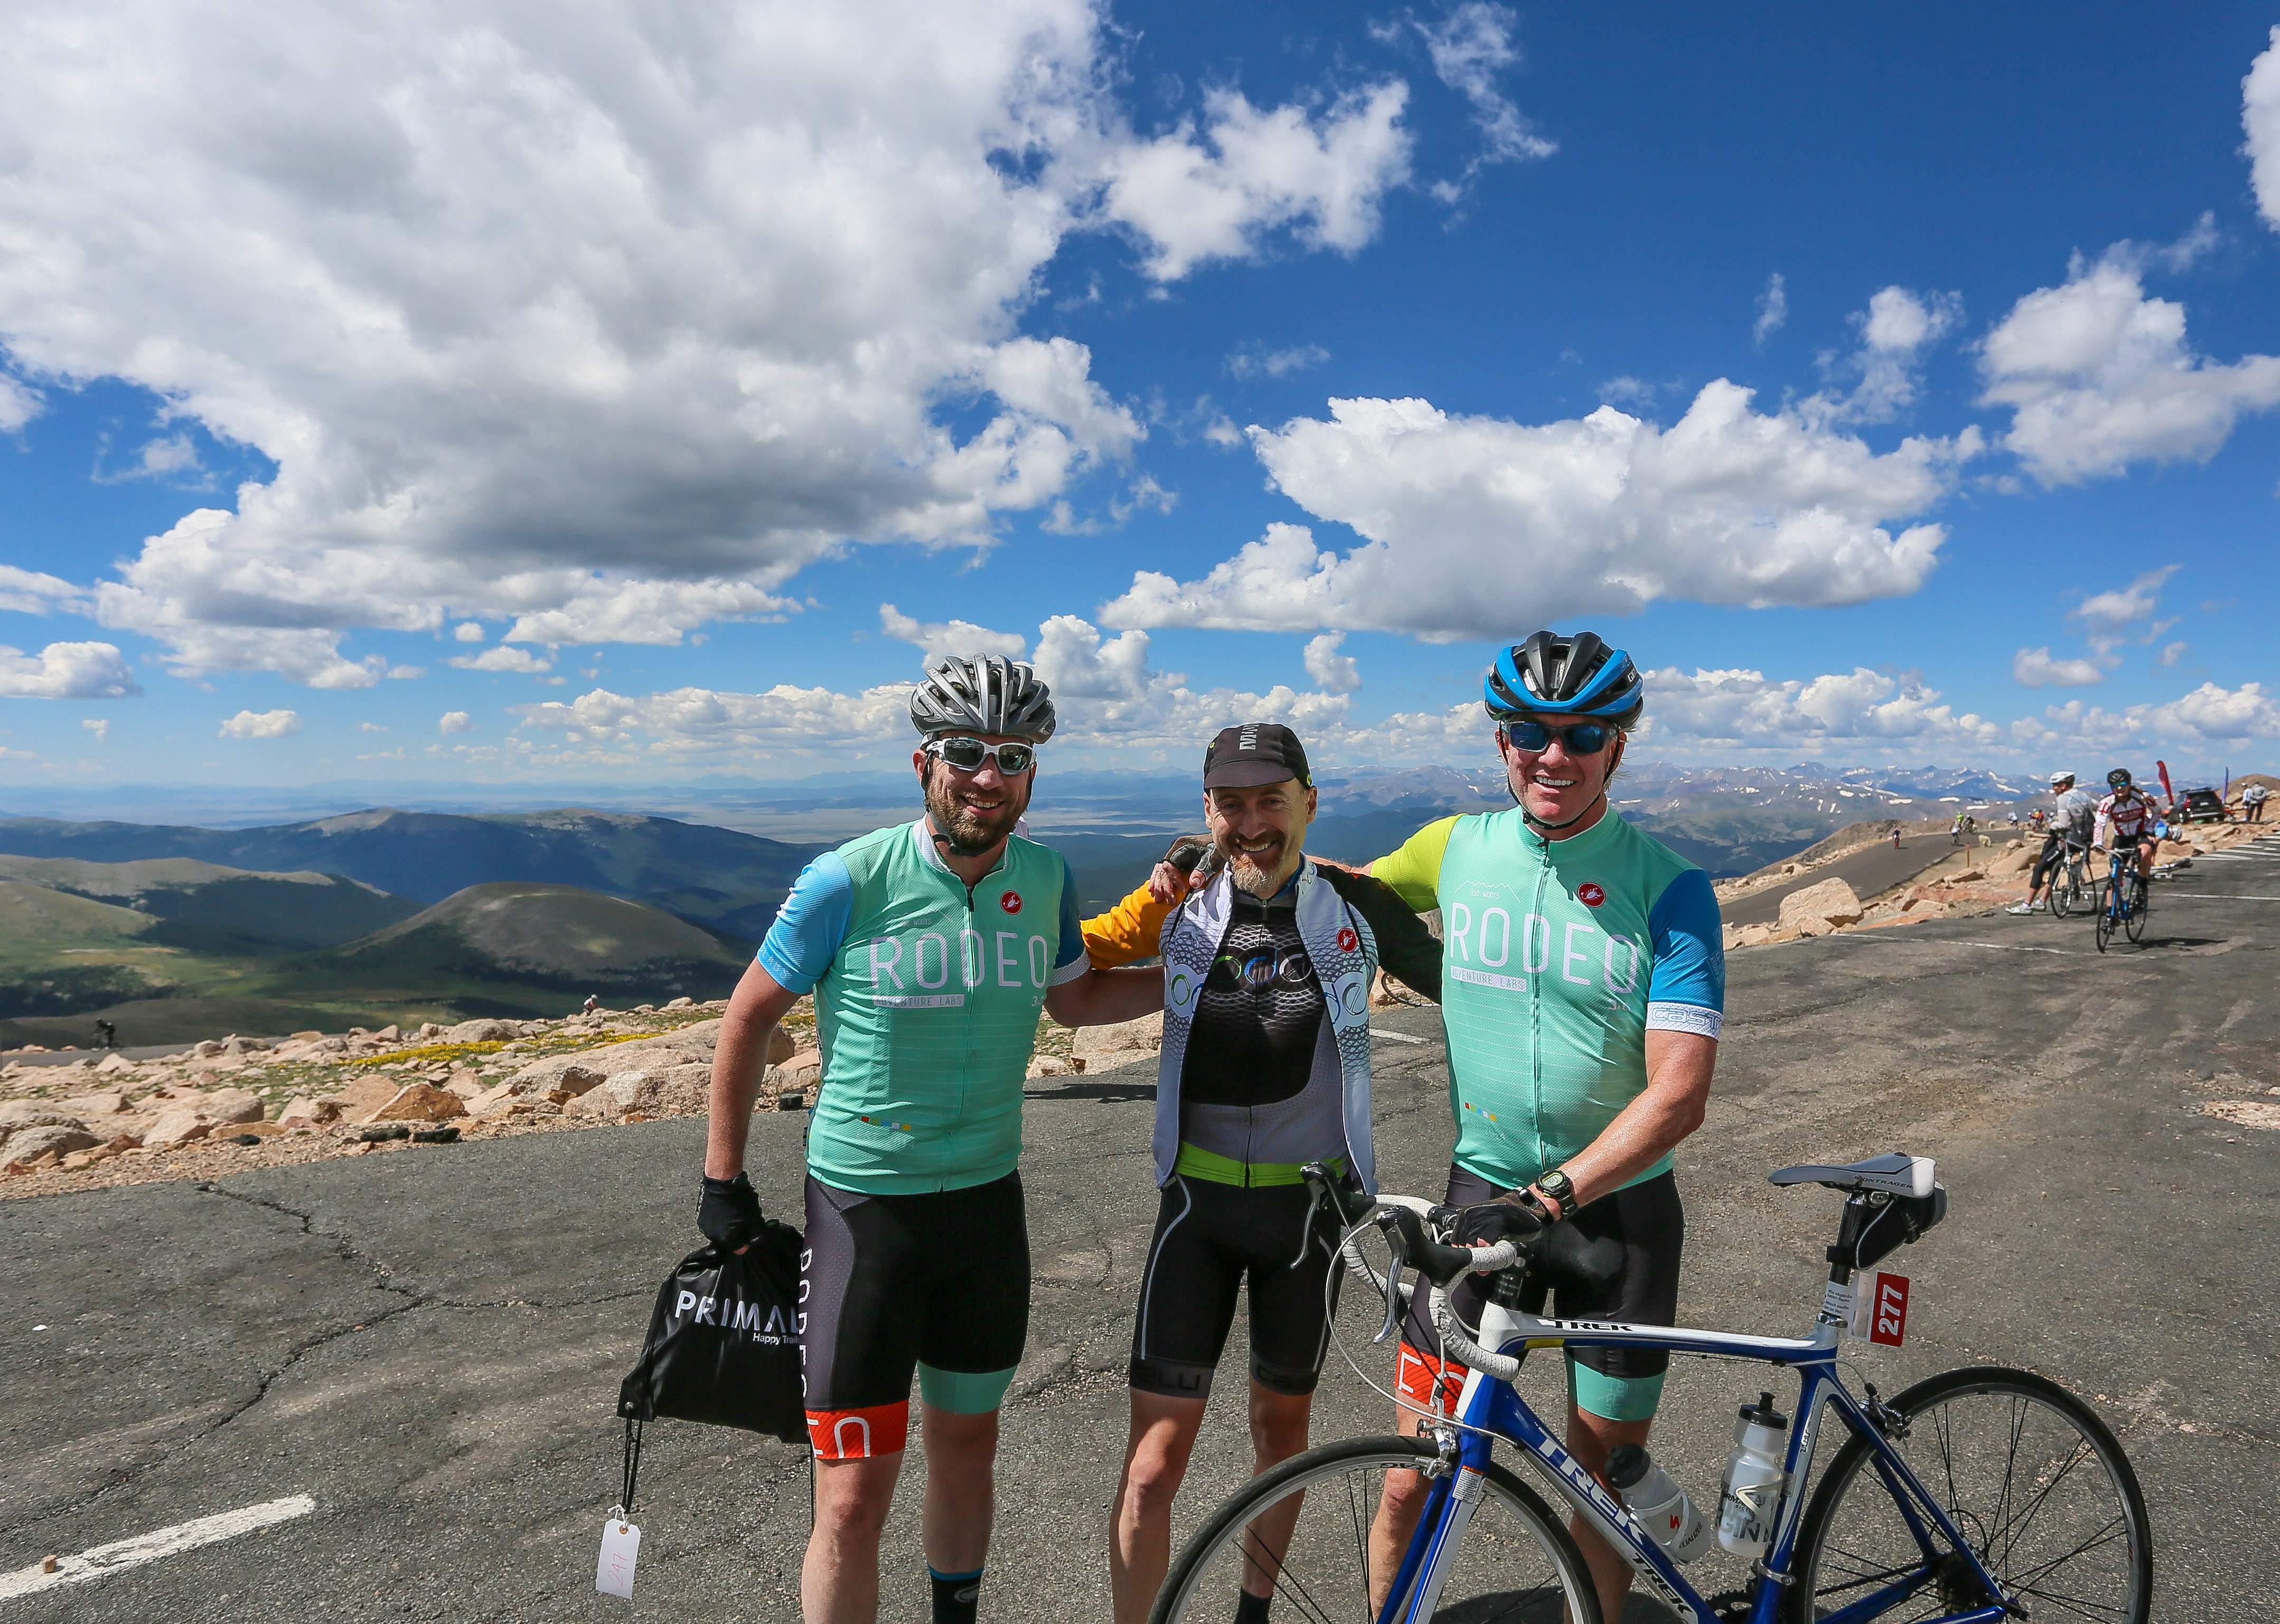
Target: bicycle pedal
(1729, 1607)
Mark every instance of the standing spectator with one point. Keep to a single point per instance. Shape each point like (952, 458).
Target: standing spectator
(107, 1035)
(2251, 802)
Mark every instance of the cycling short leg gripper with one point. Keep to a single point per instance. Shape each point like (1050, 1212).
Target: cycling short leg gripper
(964, 1392)
(1614, 1398)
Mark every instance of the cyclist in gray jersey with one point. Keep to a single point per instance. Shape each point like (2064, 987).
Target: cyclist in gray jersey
(2070, 826)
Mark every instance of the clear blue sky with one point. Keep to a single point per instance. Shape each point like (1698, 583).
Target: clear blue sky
(1930, 351)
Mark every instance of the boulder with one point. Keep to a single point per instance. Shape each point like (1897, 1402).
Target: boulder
(1050, 1066)
(493, 1102)
(679, 1088)
(29, 1144)
(1832, 902)
(419, 1101)
(484, 1032)
(223, 1106)
(177, 1127)
(86, 1107)
(16, 1114)
(115, 1062)
(680, 1003)
(307, 1111)
(388, 1034)
(563, 1074)
(206, 1049)
(1102, 1047)
(365, 1090)
(782, 1045)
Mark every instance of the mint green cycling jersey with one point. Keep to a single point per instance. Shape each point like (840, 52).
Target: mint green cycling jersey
(1557, 959)
(927, 999)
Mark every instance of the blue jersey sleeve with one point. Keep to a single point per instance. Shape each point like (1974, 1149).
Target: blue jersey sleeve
(1687, 990)
(809, 928)
(1071, 961)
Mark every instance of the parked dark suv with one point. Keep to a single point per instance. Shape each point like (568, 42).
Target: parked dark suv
(2203, 806)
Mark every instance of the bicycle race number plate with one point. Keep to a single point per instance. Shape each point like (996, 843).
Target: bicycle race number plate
(1880, 1309)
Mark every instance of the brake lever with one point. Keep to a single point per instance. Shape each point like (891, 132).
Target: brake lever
(1395, 1243)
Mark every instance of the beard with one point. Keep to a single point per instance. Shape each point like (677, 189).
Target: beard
(970, 831)
(1247, 872)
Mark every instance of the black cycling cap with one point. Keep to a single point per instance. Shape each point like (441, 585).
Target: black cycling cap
(1255, 754)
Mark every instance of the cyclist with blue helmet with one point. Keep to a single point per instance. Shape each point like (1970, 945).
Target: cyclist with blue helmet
(1582, 989)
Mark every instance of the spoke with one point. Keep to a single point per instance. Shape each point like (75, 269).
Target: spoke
(2014, 1531)
(2076, 1605)
(2106, 1535)
(1286, 1587)
(1361, 1538)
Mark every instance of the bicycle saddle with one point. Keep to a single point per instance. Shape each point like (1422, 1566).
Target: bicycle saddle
(1896, 1174)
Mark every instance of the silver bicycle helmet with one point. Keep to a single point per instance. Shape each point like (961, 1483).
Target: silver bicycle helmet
(982, 693)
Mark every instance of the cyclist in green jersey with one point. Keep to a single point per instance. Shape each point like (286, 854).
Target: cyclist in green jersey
(1583, 990)
(931, 948)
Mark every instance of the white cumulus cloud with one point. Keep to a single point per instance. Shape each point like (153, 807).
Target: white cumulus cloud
(455, 722)
(2260, 116)
(65, 671)
(1772, 310)
(2037, 668)
(2099, 375)
(603, 321)
(1744, 709)
(1470, 46)
(261, 724)
(100, 727)
(19, 404)
(1333, 672)
(950, 636)
(1214, 191)
(1602, 515)
(502, 658)
(697, 721)
(29, 592)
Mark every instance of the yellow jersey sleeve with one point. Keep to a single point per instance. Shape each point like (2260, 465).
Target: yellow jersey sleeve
(1133, 929)
(1414, 870)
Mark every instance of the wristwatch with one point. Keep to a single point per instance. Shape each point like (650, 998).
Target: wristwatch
(1561, 1187)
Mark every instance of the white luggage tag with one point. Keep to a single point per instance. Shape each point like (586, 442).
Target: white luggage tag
(613, 1574)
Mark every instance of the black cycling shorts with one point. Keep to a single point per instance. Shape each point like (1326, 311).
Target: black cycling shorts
(1631, 1239)
(936, 1283)
(1209, 1238)
(2048, 863)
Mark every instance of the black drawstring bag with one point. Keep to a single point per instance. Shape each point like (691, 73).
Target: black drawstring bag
(723, 1346)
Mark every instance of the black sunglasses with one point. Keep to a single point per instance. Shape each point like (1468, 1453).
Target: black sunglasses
(968, 755)
(1579, 738)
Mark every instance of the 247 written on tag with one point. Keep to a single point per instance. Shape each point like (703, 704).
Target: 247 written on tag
(613, 1574)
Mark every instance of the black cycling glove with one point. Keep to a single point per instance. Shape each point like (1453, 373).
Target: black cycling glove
(1513, 1216)
(728, 1215)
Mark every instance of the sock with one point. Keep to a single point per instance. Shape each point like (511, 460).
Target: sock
(1250, 1609)
(956, 1596)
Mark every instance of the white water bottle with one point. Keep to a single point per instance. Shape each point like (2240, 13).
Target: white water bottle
(1754, 1478)
(1671, 1519)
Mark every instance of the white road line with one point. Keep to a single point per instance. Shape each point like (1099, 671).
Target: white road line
(2005, 947)
(126, 1553)
(2218, 897)
(1397, 1037)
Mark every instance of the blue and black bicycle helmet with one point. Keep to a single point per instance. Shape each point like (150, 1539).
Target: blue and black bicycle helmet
(1551, 675)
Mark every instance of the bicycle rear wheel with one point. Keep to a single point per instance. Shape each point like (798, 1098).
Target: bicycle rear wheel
(2027, 1473)
(1516, 1563)
(2133, 923)
(2104, 921)
(2066, 891)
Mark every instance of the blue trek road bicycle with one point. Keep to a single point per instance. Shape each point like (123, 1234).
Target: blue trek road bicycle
(1979, 1495)
(2122, 905)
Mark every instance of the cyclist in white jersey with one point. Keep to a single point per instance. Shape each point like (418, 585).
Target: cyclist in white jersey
(931, 947)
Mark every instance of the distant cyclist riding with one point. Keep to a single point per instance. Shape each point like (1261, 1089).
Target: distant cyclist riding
(931, 947)
(2127, 817)
(1583, 991)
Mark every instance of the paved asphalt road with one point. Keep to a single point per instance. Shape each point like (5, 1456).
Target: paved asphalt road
(1867, 871)
(427, 1341)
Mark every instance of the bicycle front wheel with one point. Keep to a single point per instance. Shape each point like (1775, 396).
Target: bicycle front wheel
(1313, 1534)
(2133, 923)
(2105, 905)
(2066, 891)
(2027, 1473)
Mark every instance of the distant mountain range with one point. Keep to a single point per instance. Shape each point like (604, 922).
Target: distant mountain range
(726, 880)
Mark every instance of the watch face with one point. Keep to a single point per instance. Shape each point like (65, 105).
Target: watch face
(1556, 1185)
